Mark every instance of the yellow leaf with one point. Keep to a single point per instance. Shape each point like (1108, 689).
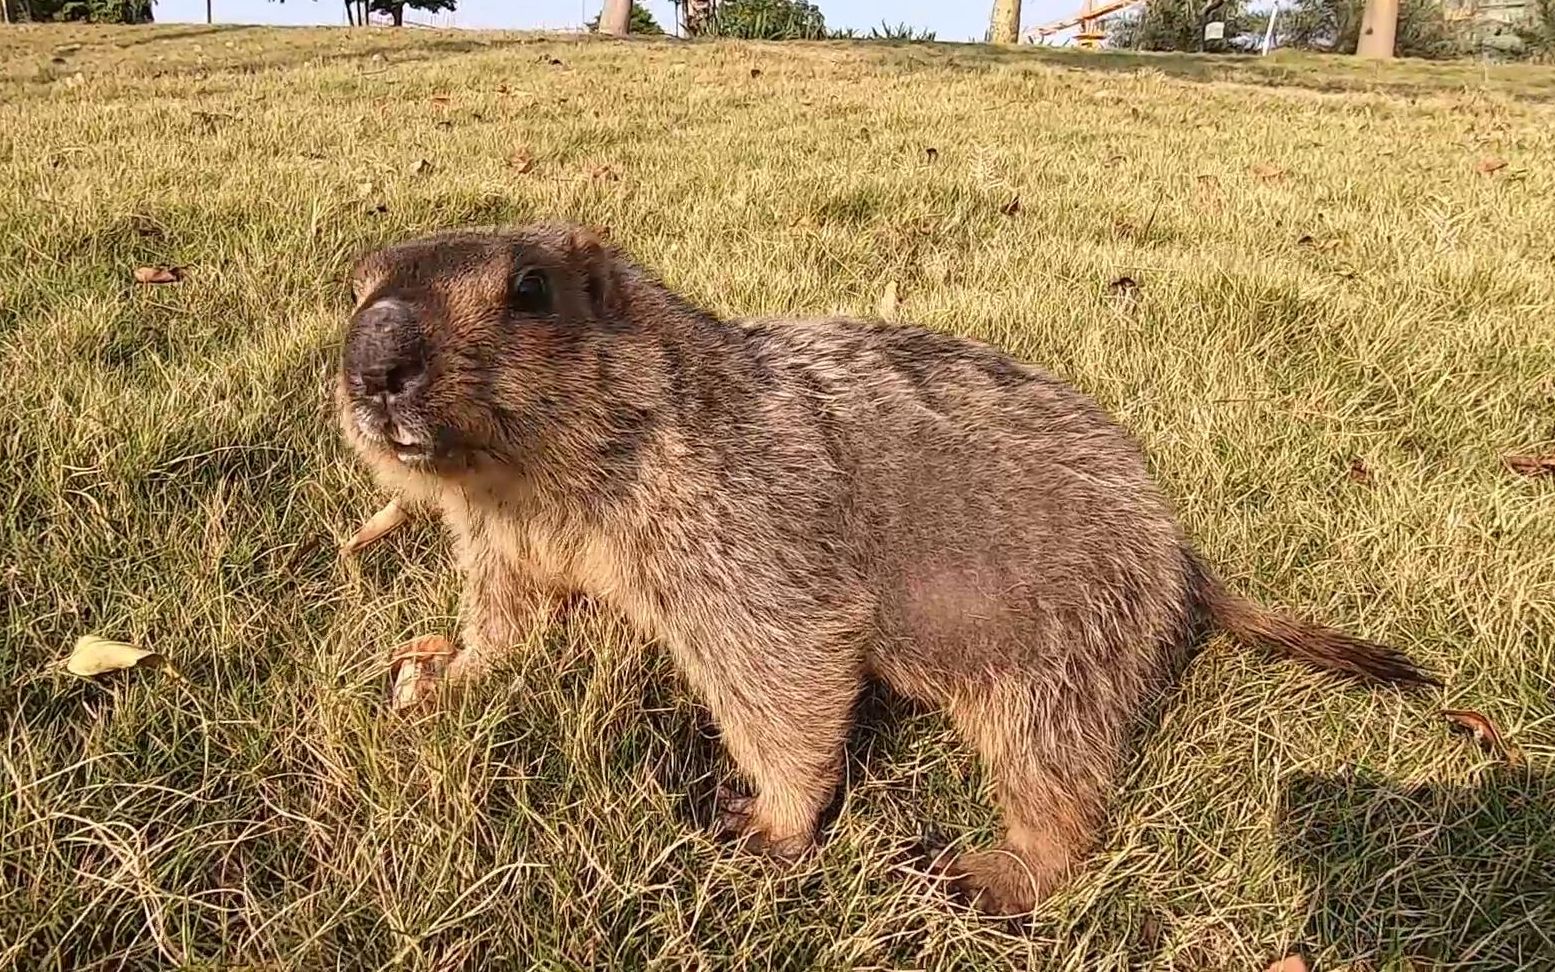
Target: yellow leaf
(379, 525)
(97, 656)
(888, 302)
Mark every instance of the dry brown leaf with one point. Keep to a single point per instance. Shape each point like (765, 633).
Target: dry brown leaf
(1313, 243)
(158, 275)
(1123, 287)
(888, 302)
(1490, 166)
(414, 670)
(1358, 471)
(420, 167)
(98, 656)
(1012, 207)
(1267, 171)
(1115, 159)
(1290, 963)
(521, 161)
(604, 173)
(1532, 465)
(379, 525)
(931, 153)
(755, 72)
(1484, 732)
(439, 99)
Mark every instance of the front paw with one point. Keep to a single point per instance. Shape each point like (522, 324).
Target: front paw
(416, 668)
(740, 818)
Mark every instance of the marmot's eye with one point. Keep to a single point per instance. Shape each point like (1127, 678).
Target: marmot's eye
(531, 293)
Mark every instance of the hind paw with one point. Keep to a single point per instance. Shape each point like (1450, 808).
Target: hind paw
(740, 818)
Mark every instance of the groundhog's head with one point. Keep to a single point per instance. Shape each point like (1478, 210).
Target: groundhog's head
(461, 345)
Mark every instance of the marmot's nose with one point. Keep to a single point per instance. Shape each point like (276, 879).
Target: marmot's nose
(386, 354)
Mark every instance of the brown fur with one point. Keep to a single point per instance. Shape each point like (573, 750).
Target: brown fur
(791, 508)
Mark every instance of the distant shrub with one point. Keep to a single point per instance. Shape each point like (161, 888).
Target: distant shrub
(767, 20)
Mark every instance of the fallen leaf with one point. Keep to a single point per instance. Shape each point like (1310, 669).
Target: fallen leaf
(755, 72)
(931, 153)
(556, 62)
(1532, 465)
(521, 161)
(1358, 472)
(1484, 732)
(1207, 179)
(420, 167)
(1012, 207)
(888, 302)
(414, 670)
(1290, 963)
(1490, 166)
(445, 124)
(98, 656)
(439, 99)
(502, 89)
(1313, 243)
(1264, 170)
(379, 525)
(1123, 287)
(1115, 160)
(158, 275)
(604, 173)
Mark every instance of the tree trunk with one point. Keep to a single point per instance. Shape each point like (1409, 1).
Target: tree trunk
(208, 11)
(1379, 26)
(350, 15)
(616, 18)
(1005, 26)
(398, 13)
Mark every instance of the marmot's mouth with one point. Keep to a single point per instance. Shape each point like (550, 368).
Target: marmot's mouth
(407, 448)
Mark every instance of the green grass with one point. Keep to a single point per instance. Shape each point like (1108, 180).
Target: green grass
(169, 474)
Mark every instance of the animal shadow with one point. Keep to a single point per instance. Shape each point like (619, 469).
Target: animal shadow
(1459, 877)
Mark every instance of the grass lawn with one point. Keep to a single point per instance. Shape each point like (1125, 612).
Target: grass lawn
(1338, 326)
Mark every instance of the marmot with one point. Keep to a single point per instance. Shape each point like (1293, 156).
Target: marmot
(793, 507)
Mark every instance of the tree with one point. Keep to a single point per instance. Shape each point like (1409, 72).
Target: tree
(640, 21)
(1379, 29)
(357, 11)
(615, 17)
(96, 11)
(396, 8)
(1004, 28)
(1335, 26)
(766, 20)
(1178, 25)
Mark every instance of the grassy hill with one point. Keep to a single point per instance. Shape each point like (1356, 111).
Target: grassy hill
(1308, 285)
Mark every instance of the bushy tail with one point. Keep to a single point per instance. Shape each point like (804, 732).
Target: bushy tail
(1314, 644)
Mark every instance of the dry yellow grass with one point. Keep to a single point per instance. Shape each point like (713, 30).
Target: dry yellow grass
(1323, 276)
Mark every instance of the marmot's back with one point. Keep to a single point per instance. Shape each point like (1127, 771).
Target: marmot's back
(1007, 517)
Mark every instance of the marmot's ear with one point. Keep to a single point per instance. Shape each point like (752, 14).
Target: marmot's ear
(601, 274)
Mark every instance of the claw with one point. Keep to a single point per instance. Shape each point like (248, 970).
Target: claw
(734, 812)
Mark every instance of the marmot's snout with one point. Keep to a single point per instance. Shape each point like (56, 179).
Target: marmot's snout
(385, 368)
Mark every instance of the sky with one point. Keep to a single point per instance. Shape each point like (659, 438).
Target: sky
(958, 20)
